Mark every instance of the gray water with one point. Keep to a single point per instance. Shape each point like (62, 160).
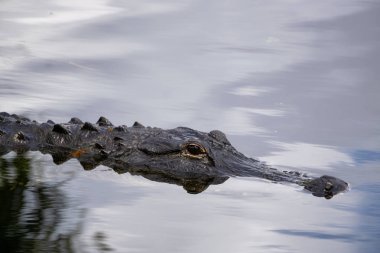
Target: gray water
(293, 83)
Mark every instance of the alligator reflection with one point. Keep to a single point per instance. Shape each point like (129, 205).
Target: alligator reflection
(31, 215)
(192, 186)
(192, 183)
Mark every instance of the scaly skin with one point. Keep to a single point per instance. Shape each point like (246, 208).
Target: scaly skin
(182, 156)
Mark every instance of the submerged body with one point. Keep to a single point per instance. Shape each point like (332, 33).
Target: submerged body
(182, 155)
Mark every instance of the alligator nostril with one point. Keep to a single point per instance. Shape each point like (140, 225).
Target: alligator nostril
(328, 186)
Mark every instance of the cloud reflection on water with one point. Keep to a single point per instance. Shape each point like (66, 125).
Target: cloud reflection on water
(292, 71)
(306, 155)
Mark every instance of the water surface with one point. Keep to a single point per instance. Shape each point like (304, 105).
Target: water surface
(294, 83)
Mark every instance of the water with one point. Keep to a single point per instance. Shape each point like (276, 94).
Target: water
(294, 83)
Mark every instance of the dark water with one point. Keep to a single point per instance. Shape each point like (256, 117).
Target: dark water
(294, 83)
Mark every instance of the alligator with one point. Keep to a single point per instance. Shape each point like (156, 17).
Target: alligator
(182, 156)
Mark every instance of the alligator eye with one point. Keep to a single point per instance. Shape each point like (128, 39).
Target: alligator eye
(195, 149)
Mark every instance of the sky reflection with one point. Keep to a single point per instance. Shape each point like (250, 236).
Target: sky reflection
(304, 155)
(292, 82)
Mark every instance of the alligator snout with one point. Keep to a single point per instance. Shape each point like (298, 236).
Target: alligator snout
(326, 186)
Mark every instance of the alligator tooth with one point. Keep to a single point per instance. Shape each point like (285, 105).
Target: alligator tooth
(102, 121)
(75, 121)
(138, 125)
(58, 128)
(89, 127)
